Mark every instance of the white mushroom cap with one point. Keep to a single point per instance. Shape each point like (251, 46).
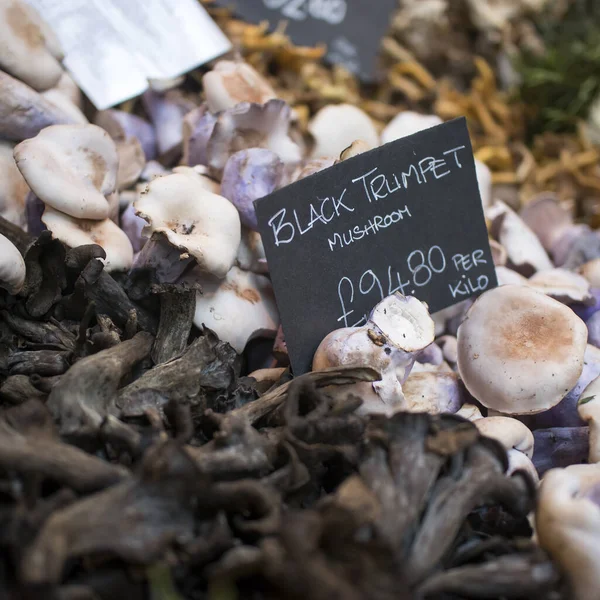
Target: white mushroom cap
(230, 83)
(545, 216)
(470, 412)
(511, 433)
(568, 525)
(132, 161)
(519, 351)
(449, 346)
(67, 87)
(13, 188)
(237, 308)
(524, 249)
(23, 49)
(588, 407)
(201, 176)
(251, 253)
(407, 123)
(202, 224)
(433, 392)
(72, 168)
(507, 276)
(562, 285)
(484, 182)
(12, 267)
(79, 232)
(336, 126)
(591, 271)
(64, 103)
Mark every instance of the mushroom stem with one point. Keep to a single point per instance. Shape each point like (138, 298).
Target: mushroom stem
(177, 308)
(166, 262)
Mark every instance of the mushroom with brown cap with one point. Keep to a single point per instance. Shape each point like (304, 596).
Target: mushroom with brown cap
(187, 221)
(397, 330)
(336, 126)
(80, 232)
(72, 168)
(519, 351)
(567, 523)
(238, 308)
(12, 267)
(588, 407)
(229, 83)
(524, 250)
(24, 51)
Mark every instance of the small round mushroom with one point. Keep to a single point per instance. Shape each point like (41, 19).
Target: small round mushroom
(407, 123)
(588, 407)
(80, 232)
(519, 351)
(524, 250)
(397, 330)
(12, 267)
(195, 222)
(336, 126)
(567, 523)
(24, 52)
(239, 308)
(72, 168)
(433, 392)
(230, 83)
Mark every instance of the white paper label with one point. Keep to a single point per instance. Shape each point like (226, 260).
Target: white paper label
(112, 47)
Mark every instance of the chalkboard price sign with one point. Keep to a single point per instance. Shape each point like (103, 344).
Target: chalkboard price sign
(351, 29)
(404, 217)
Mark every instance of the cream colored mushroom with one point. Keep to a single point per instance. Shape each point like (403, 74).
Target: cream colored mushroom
(562, 285)
(195, 222)
(230, 83)
(398, 329)
(519, 351)
(13, 188)
(238, 308)
(251, 253)
(132, 161)
(469, 411)
(12, 267)
(511, 433)
(64, 103)
(499, 255)
(336, 126)
(79, 232)
(506, 276)
(24, 51)
(524, 250)
(200, 173)
(407, 123)
(72, 168)
(567, 522)
(433, 392)
(591, 271)
(588, 407)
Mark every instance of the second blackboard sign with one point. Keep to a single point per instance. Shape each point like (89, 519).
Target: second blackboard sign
(404, 217)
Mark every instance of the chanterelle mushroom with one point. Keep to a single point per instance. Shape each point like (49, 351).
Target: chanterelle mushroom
(568, 525)
(519, 351)
(195, 222)
(72, 168)
(24, 51)
(398, 329)
(12, 267)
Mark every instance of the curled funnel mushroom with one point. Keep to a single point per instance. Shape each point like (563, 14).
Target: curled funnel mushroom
(72, 168)
(195, 222)
(12, 267)
(24, 52)
(567, 523)
(398, 329)
(519, 351)
(524, 250)
(81, 232)
(588, 407)
(336, 126)
(13, 188)
(230, 83)
(238, 308)
(249, 175)
(24, 112)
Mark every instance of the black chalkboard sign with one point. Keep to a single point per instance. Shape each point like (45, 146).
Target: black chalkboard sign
(404, 217)
(351, 29)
